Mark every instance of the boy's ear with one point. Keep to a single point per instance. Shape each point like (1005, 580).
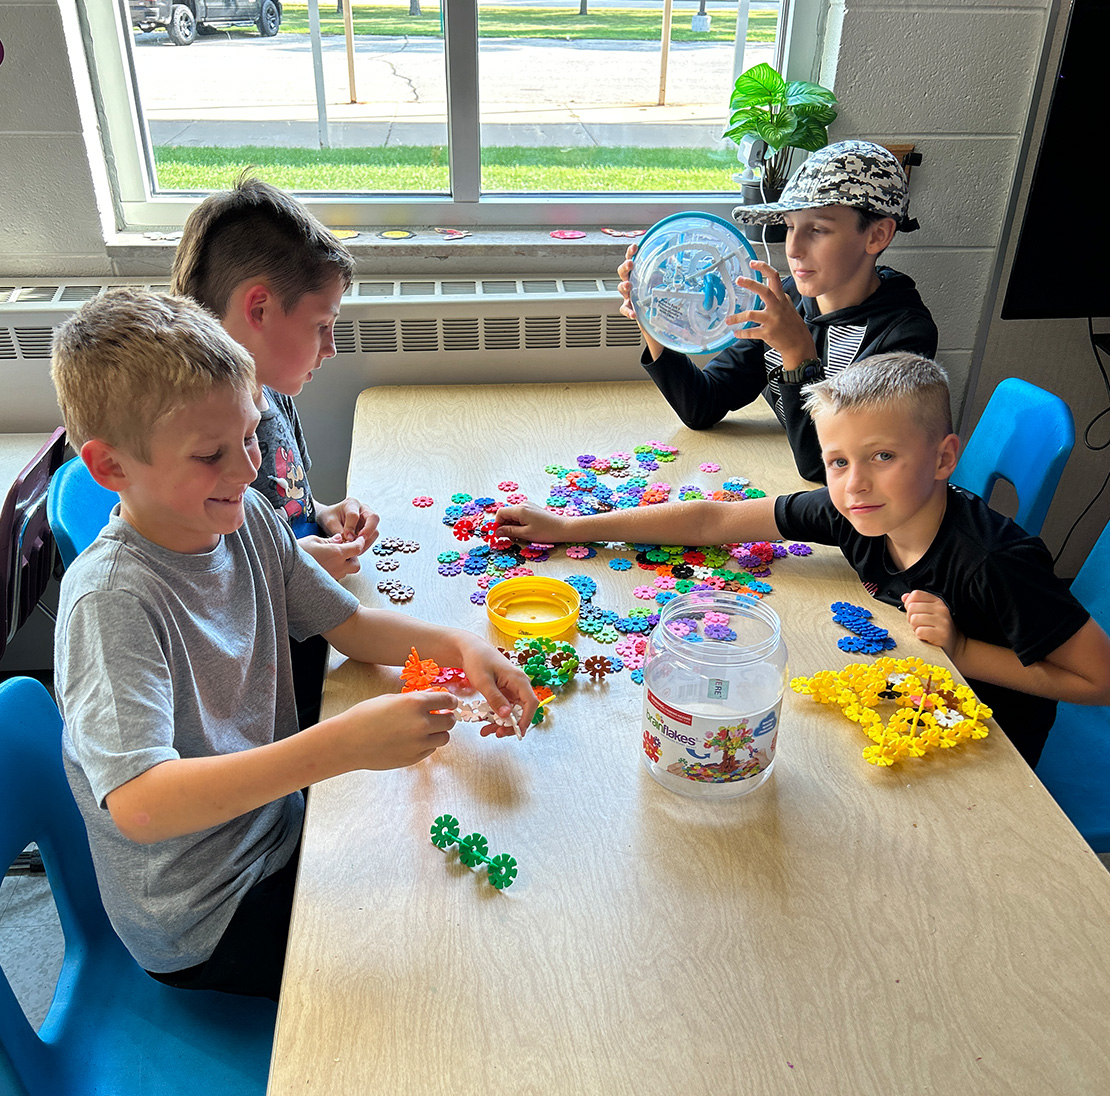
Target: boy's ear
(257, 302)
(104, 464)
(880, 234)
(948, 452)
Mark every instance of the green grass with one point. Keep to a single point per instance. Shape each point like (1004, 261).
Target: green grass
(618, 24)
(424, 169)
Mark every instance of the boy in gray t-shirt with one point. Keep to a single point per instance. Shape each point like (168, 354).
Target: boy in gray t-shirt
(172, 663)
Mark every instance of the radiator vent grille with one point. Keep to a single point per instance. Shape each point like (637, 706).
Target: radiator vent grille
(501, 333)
(377, 336)
(345, 342)
(407, 316)
(31, 293)
(34, 342)
(460, 335)
(419, 336)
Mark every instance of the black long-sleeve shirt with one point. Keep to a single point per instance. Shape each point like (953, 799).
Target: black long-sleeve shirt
(894, 317)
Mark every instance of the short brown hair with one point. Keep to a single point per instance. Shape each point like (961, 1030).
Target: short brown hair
(128, 358)
(885, 379)
(256, 230)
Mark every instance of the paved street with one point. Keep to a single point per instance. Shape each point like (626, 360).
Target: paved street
(250, 90)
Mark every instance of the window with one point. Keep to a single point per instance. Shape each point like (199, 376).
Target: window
(513, 112)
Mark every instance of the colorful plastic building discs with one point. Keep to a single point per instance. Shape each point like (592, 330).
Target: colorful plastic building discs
(473, 850)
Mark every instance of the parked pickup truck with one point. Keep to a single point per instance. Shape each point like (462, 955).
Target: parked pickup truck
(183, 21)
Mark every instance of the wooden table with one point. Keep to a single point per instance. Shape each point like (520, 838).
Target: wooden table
(938, 927)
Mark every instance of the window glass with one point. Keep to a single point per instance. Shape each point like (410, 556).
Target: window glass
(594, 97)
(471, 113)
(238, 96)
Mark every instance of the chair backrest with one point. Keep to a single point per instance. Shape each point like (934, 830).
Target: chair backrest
(77, 508)
(26, 545)
(111, 1027)
(1025, 436)
(1091, 586)
(1075, 765)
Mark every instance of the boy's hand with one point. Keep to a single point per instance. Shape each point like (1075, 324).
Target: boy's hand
(501, 682)
(932, 622)
(533, 524)
(624, 288)
(348, 520)
(399, 729)
(338, 558)
(777, 323)
(624, 272)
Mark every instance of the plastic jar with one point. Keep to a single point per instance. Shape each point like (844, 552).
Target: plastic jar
(714, 674)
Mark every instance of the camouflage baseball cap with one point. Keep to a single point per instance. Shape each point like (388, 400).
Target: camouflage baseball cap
(852, 173)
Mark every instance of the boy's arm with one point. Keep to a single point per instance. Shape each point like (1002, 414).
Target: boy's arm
(188, 795)
(690, 523)
(1078, 670)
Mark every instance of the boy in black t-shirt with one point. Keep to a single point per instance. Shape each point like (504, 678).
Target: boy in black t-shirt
(971, 581)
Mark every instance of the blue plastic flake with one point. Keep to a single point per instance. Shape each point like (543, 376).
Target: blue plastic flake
(869, 638)
(617, 663)
(637, 675)
(503, 562)
(664, 596)
(736, 483)
(450, 569)
(447, 557)
(474, 565)
(479, 550)
(585, 585)
(453, 512)
(485, 501)
(620, 563)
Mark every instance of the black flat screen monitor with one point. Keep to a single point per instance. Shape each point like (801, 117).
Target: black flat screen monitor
(1061, 267)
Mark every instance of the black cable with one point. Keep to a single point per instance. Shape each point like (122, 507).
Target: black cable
(1087, 437)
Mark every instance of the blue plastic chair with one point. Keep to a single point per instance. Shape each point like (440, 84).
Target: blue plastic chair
(77, 508)
(111, 1030)
(1075, 762)
(1025, 435)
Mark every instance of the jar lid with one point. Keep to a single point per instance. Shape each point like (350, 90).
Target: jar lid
(532, 605)
(683, 281)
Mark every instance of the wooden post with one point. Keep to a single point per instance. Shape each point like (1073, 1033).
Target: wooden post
(665, 49)
(349, 33)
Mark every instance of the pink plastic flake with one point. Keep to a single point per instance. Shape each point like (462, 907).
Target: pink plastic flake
(423, 500)
(709, 466)
(645, 593)
(665, 582)
(578, 551)
(508, 485)
(516, 499)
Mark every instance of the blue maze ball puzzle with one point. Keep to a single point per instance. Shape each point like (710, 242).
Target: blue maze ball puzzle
(684, 281)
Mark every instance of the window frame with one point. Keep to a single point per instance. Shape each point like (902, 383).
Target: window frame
(128, 151)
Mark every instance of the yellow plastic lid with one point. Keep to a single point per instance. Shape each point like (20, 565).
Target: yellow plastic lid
(532, 605)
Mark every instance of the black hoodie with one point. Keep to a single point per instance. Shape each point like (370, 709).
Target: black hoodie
(894, 317)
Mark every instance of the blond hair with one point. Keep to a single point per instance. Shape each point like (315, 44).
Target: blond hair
(256, 231)
(884, 380)
(128, 358)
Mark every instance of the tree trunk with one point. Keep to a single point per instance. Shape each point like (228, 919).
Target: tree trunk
(582, 6)
(414, 7)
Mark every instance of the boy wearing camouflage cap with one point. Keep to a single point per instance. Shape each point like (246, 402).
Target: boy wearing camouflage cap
(841, 209)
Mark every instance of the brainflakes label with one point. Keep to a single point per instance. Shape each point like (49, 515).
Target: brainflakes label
(718, 748)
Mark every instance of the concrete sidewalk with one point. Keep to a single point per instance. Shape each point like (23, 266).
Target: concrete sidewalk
(535, 92)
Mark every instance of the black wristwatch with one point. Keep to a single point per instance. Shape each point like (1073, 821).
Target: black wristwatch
(810, 370)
